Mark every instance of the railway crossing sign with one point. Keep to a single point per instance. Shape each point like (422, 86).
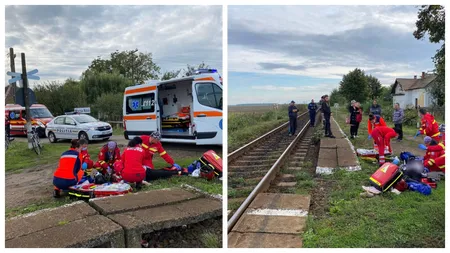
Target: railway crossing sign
(18, 76)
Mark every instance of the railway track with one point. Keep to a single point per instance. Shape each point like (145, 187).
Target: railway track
(254, 173)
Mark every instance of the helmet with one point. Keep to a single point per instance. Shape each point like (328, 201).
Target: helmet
(156, 135)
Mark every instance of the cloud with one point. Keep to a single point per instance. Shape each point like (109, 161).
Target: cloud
(61, 41)
(327, 41)
(273, 88)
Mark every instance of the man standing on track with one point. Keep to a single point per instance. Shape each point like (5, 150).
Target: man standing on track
(326, 110)
(292, 111)
(312, 107)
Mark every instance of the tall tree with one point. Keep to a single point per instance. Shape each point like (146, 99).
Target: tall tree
(95, 84)
(431, 21)
(374, 86)
(354, 85)
(190, 69)
(133, 65)
(170, 74)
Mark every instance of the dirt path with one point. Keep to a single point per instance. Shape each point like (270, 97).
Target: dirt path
(34, 185)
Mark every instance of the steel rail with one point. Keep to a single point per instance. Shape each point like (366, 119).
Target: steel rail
(242, 149)
(264, 184)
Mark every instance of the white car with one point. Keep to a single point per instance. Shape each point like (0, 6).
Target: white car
(79, 126)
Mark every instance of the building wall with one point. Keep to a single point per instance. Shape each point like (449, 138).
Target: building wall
(409, 99)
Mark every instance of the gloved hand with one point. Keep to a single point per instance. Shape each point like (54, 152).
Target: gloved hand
(84, 166)
(396, 161)
(369, 137)
(417, 134)
(422, 146)
(177, 166)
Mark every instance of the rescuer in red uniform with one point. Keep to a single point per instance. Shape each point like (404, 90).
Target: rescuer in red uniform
(434, 158)
(133, 170)
(152, 145)
(382, 136)
(109, 154)
(87, 163)
(69, 171)
(429, 125)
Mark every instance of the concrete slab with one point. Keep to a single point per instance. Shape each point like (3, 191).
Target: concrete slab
(346, 157)
(326, 153)
(147, 220)
(342, 143)
(327, 143)
(327, 162)
(90, 232)
(262, 240)
(286, 184)
(141, 200)
(270, 224)
(295, 168)
(45, 219)
(280, 201)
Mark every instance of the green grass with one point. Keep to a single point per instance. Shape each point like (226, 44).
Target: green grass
(19, 157)
(211, 187)
(210, 240)
(118, 131)
(406, 220)
(11, 212)
(246, 126)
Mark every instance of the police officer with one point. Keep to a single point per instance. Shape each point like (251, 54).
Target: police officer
(292, 111)
(326, 110)
(312, 107)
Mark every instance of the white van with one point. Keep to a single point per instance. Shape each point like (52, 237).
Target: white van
(184, 110)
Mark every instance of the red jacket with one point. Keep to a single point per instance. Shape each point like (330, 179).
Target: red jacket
(150, 150)
(386, 132)
(86, 158)
(69, 166)
(106, 159)
(433, 152)
(379, 121)
(429, 126)
(132, 160)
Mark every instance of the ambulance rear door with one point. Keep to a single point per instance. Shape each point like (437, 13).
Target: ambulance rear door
(207, 96)
(141, 111)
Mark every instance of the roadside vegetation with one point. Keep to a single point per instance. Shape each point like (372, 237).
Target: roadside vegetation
(406, 220)
(246, 123)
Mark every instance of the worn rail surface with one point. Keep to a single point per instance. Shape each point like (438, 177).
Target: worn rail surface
(257, 163)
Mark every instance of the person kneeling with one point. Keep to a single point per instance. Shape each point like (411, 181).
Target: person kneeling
(69, 171)
(133, 169)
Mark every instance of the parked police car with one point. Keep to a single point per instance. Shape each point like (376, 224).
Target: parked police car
(79, 126)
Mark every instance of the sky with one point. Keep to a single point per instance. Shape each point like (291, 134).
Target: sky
(62, 41)
(281, 53)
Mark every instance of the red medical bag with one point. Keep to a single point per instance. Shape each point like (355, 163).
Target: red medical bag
(211, 165)
(386, 176)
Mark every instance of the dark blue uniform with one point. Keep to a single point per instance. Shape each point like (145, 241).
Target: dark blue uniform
(292, 119)
(312, 107)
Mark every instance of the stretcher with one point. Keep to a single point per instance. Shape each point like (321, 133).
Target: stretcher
(370, 152)
(89, 190)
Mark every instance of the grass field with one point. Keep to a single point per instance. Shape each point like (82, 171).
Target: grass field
(246, 123)
(404, 221)
(19, 158)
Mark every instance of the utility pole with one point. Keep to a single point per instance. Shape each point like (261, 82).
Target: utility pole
(26, 99)
(12, 56)
(132, 65)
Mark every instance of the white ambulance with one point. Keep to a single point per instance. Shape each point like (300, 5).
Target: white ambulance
(184, 110)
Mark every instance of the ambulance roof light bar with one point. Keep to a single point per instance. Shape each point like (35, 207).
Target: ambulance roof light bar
(202, 71)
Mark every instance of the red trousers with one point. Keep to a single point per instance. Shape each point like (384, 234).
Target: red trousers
(381, 142)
